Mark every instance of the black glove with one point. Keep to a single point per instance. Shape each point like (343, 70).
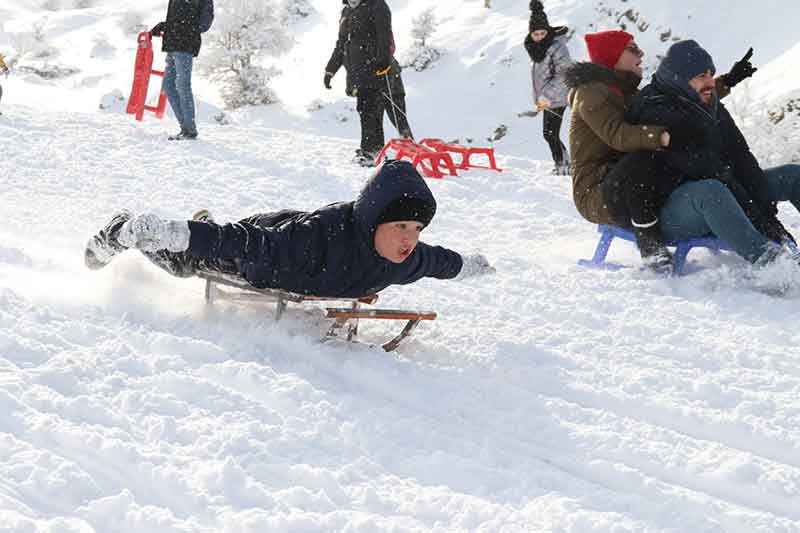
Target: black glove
(158, 29)
(327, 80)
(741, 70)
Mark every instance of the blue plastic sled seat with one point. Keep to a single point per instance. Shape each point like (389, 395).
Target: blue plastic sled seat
(682, 248)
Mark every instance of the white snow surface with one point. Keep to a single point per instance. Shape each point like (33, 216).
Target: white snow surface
(546, 397)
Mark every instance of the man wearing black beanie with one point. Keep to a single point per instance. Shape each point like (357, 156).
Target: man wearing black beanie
(720, 188)
(346, 249)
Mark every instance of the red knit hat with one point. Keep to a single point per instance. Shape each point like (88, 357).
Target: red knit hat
(606, 47)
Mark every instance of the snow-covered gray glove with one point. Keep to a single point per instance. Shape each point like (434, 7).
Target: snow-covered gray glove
(474, 265)
(149, 233)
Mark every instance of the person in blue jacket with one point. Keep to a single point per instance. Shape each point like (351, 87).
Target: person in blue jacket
(346, 249)
(180, 33)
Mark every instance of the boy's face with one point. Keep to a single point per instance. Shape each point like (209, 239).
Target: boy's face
(395, 241)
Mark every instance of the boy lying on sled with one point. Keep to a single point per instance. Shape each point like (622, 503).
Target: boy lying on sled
(346, 249)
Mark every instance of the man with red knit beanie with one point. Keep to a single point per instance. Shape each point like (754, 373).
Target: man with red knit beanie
(620, 175)
(606, 47)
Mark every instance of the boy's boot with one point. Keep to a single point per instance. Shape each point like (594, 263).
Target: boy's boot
(655, 254)
(103, 246)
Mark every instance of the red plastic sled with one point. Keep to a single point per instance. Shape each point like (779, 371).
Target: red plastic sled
(419, 155)
(466, 153)
(143, 69)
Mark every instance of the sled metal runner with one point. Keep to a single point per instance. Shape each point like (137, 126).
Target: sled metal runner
(345, 319)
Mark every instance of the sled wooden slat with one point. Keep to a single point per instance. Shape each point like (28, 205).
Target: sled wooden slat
(345, 319)
(294, 297)
(379, 314)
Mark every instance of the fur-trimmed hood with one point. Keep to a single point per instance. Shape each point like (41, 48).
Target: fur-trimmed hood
(585, 72)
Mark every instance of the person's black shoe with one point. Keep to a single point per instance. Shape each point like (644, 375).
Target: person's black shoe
(364, 159)
(183, 136)
(654, 252)
(103, 246)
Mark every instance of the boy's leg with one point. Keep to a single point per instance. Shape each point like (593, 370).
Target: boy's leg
(183, 86)
(635, 189)
(706, 207)
(169, 88)
(186, 265)
(637, 186)
(783, 184)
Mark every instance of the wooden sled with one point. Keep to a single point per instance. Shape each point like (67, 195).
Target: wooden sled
(345, 319)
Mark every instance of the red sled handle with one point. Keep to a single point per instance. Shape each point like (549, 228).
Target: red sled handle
(143, 69)
(144, 40)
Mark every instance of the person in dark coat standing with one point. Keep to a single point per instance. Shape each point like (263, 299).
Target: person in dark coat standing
(364, 47)
(346, 249)
(722, 189)
(180, 33)
(547, 48)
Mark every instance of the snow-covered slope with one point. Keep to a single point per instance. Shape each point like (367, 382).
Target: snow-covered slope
(482, 81)
(545, 398)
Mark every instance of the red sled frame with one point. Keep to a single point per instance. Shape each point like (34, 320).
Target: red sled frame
(466, 153)
(143, 69)
(418, 155)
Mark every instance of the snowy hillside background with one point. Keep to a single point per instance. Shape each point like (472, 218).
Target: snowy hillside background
(545, 398)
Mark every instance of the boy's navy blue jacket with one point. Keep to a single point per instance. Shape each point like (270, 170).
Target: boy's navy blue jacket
(328, 252)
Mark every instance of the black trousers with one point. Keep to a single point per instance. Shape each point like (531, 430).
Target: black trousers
(370, 108)
(551, 128)
(186, 265)
(637, 186)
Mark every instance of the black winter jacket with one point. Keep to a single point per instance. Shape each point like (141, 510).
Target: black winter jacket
(364, 45)
(186, 20)
(712, 147)
(328, 252)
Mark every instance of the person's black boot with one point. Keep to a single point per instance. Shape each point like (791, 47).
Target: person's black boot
(183, 136)
(103, 246)
(364, 158)
(654, 252)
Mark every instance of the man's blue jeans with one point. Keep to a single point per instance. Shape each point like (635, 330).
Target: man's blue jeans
(178, 86)
(700, 208)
